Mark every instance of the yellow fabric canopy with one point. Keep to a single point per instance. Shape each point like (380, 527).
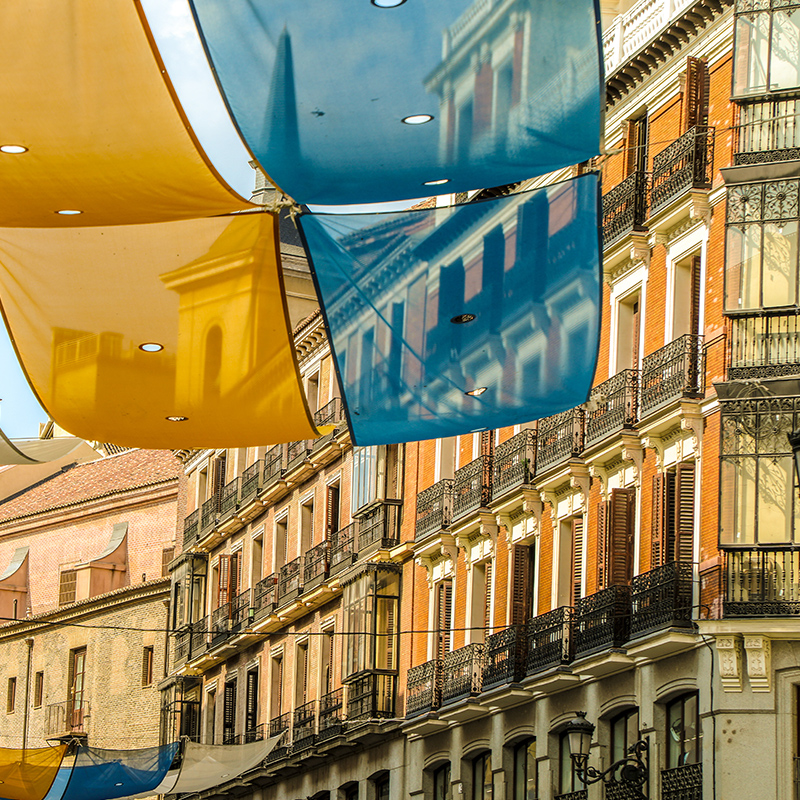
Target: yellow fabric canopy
(29, 774)
(121, 328)
(85, 92)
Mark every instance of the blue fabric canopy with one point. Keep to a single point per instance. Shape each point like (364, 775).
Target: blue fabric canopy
(352, 101)
(108, 774)
(447, 321)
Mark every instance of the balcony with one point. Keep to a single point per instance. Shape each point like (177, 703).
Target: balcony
(331, 413)
(344, 551)
(208, 514)
(290, 581)
(251, 482)
(685, 164)
(303, 726)
(229, 500)
(380, 527)
(682, 783)
(559, 438)
(625, 208)
(662, 598)
(767, 131)
(183, 644)
(549, 640)
(278, 725)
(505, 657)
(315, 569)
(254, 734)
(434, 509)
(514, 463)
(763, 344)
(613, 405)
(674, 371)
(578, 794)
(241, 611)
(220, 624)
(762, 583)
(330, 716)
(191, 529)
(462, 673)
(297, 453)
(424, 688)
(264, 597)
(371, 697)
(198, 643)
(273, 466)
(472, 487)
(64, 719)
(603, 620)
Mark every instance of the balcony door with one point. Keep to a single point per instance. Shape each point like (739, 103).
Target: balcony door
(77, 681)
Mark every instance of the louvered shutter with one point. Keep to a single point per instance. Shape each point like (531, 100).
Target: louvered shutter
(251, 716)
(620, 537)
(695, 99)
(223, 580)
(331, 511)
(602, 536)
(577, 559)
(229, 712)
(632, 146)
(659, 527)
(329, 664)
(695, 300)
(444, 602)
(487, 596)
(520, 584)
(303, 675)
(235, 576)
(218, 480)
(684, 512)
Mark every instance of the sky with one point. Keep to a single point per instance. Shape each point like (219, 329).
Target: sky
(176, 35)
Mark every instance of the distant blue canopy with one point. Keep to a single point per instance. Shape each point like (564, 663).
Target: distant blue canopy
(499, 298)
(108, 774)
(320, 90)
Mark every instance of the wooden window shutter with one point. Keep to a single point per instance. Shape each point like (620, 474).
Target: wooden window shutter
(218, 480)
(487, 596)
(331, 511)
(695, 300)
(329, 664)
(444, 602)
(602, 537)
(304, 675)
(167, 554)
(229, 711)
(521, 584)
(235, 575)
(577, 559)
(147, 665)
(251, 700)
(487, 443)
(695, 98)
(684, 512)
(68, 581)
(620, 537)
(223, 581)
(658, 543)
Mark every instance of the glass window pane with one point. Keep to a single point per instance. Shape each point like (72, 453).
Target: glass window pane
(617, 738)
(565, 766)
(752, 49)
(775, 494)
(674, 734)
(785, 55)
(691, 746)
(780, 264)
(738, 501)
(531, 791)
(743, 267)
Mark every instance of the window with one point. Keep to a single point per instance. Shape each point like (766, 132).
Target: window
(480, 622)
(673, 515)
(624, 733)
(67, 587)
(629, 326)
(570, 561)
(382, 787)
(11, 695)
(522, 584)
(211, 717)
(147, 666)
(366, 476)
(616, 530)
(228, 578)
(683, 732)
(332, 510)
(251, 706)
(568, 781)
(326, 662)
(167, 554)
(482, 778)
(189, 588)
(276, 695)
(312, 392)
(444, 617)
(441, 783)
(38, 689)
(761, 251)
(256, 558)
(350, 792)
(525, 784)
(229, 713)
(301, 675)
(76, 680)
(307, 525)
(281, 542)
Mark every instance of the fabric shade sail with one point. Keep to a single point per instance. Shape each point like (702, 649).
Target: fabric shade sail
(162, 335)
(448, 321)
(35, 451)
(29, 774)
(345, 101)
(93, 112)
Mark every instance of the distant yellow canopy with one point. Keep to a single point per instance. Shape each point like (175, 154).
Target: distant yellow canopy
(85, 93)
(29, 774)
(165, 335)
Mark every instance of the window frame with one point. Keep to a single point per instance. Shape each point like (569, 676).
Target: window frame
(682, 753)
(441, 780)
(11, 695)
(524, 771)
(481, 769)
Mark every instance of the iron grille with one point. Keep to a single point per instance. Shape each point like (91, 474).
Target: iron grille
(472, 487)
(674, 371)
(230, 499)
(304, 724)
(254, 734)
(280, 724)
(371, 696)
(549, 640)
(273, 465)
(762, 583)
(612, 406)
(315, 569)
(191, 529)
(296, 453)
(251, 481)
(711, 590)
(220, 624)
(763, 344)
(514, 462)
(343, 548)
(767, 131)
(183, 642)
(66, 717)
(379, 524)
(264, 597)
(241, 610)
(625, 208)
(505, 654)
(330, 414)
(685, 164)
(662, 598)
(424, 688)
(434, 508)
(682, 783)
(208, 514)
(290, 580)
(559, 438)
(462, 673)
(578, 794)
(330, 715)
(603, 620)
(199, 638)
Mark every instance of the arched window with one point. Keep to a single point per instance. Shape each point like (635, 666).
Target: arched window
(624, 733)
(441, 783)
(683, 731)
(482, 777)
(525, 786)
(568, 781)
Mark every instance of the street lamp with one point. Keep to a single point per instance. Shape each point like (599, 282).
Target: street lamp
(794, 443)
(631, 771)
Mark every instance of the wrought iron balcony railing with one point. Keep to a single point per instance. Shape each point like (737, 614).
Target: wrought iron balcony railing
(472, 487)
(198, 644)
(578, 794)
(296, 453)
(603, 620)
(674, 371)
(264, 597)
(229, 500)
(380, 524)
(182, 645)
(279, 724)
(764, 344)
(330, 715)
(685, 164)
(290, 580)
(613, 406)
(208, 513)
(682, 783)
(625, 208)
(220, 624)
(434, 508)
(304, 726)
(274, 465)
(254, 734)
(241, 610)
(331, 413)
(662, 598)
(514, 463)
(66, 717)
(550, 640)
(251, 481)
(424, 688)
(371, 696)
(768, 130)
(315, 569)
(344, 548)
(559, 438)
(462, 673)
(762, 583)
(191, 529)
(505, 657)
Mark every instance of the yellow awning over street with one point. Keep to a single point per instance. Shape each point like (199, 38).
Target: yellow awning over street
(29, 774)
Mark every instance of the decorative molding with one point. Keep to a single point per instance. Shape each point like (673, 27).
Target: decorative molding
(640, 248)
(620, 270)
(580, 479)
(692, 420)
(700, 208)
(633, 452)
(729, 652)
(759, 662)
